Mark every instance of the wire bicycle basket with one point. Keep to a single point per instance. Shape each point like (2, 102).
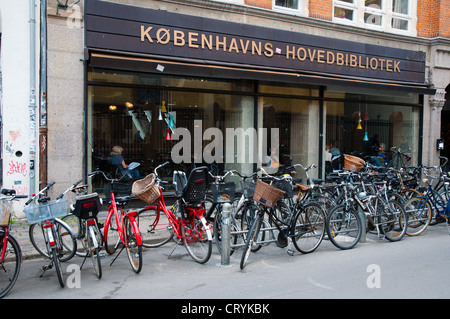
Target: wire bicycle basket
(45, 211)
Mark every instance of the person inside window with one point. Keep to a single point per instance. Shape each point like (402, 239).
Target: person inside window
(116, 159)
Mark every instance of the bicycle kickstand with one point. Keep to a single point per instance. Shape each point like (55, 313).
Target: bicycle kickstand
(178, 242)
(123, 246)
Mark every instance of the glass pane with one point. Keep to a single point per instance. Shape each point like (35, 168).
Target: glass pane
(374, 19)
(392, 125)
(343, 13)
(376, 4)
(292, 4)
(297, 124)
(400, 24)
(143, 121)
(400, 6)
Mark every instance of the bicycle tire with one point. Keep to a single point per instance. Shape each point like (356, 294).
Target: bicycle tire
(419, 215)
(155, 227)
(393, 220)
(343, 226)
(57, 263)
(308, 228)
(134, 250)
(66, 240)
(10, 268)
(74, 223)
(111, 238)
(247, 212)
(251, 236)
(92, 232)
(217, 232)
(197, 238)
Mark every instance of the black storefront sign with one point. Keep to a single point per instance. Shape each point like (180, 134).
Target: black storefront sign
(142, 31)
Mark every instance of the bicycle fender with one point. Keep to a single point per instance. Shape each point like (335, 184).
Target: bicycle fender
(136, 230)
(208, 229)
(93, 237)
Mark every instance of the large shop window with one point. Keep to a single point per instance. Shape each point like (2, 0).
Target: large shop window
(359, 123)
(141, 113)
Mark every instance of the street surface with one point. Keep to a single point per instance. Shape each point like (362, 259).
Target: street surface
(416, 267)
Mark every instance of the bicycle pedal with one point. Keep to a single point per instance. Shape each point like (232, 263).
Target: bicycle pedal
(381, 236)
(290, 252)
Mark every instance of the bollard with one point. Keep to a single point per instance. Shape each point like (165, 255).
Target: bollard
(226, 234)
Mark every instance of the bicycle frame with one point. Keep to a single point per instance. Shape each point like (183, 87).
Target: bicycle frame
(113, 210)
(175, 222)
(5, 229)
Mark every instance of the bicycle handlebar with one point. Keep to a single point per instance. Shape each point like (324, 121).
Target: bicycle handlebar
(40, 193)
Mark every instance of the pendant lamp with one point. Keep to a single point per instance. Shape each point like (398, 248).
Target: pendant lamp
(366, 116)
(171, 123)
(160, 115)
(359, 127)
(163, 107)
(168, 138)
(366, 138)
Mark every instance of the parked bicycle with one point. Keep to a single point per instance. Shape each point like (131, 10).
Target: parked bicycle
(421, 208)
(84, 215)
(295, 226)
(186, 220)
(49, 235)
(11, 254)
(121, 227)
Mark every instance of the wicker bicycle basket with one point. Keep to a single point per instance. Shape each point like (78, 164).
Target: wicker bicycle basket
(266, 194)
(5, 212)
(146, 189)
(354, 163)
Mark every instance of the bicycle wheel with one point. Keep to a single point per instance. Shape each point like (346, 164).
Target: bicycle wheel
(154, 226)
(57, 263)
(247, 213)
(343, 226)
(197, 237)
(393, 220)
(112, 238)
(217, 232)
(419, 215)
(308, 228)
(74, 223)
(251, 237)
(10, 267)
(94, 248)
(134, 251)
(67, 242)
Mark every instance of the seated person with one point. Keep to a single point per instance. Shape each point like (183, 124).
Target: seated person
(382, 156)
(115, 158)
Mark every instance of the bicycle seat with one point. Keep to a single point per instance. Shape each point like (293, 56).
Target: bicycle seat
(43, 199)
(304, 187)
(8, 192)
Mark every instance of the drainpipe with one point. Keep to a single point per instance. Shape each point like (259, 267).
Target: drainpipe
(32, 105)
(43, 112)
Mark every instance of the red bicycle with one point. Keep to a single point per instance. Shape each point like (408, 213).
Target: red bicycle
(121, 227)
(186, 219)
(11, 254)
